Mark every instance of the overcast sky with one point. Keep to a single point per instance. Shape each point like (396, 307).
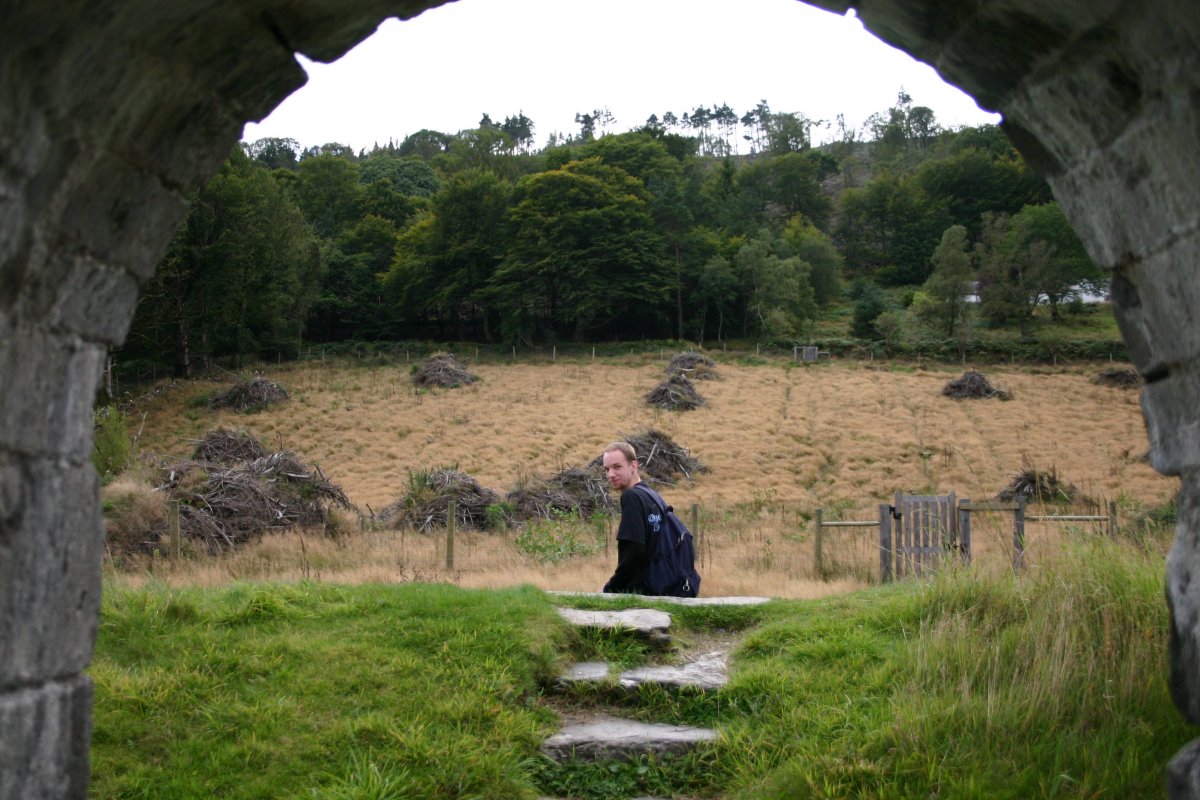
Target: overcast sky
(554, 58)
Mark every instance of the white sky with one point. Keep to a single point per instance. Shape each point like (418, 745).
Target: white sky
(553, 58)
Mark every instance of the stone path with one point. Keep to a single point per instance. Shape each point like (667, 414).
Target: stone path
(599, 736)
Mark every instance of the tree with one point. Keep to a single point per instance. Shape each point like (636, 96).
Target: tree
(817, 250)
(889, 228)
(238, 277)
(1013, 270)
(779, 297)
(1024, 258)
(274, 153)
(425, 144)
(718, 288)
(772, 190)
(445, 263)
(585, 255)
(409, 175)
(328, 191)
(1070, 268)
(942, 303)
(868, 306)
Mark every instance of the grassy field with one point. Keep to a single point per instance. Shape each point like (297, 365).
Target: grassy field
(780, 440)
(359, 666)
(1047, 684)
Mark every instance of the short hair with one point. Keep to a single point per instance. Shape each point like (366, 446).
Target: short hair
(625, 448)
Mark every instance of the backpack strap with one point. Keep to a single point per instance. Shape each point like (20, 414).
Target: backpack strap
(653, 495)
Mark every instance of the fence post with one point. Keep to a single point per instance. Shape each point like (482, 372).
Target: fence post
(964, 530)
(818, 555)
(173, 527)
(451, 514)
(1114, 527)
(885, 543)
(1019, 534)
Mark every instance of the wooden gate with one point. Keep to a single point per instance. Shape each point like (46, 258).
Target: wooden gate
(916, 533)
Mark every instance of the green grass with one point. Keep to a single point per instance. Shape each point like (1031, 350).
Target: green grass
(320, 691)
(1049, 684)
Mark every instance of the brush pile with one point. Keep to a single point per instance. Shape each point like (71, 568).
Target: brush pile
(660, 460)
(1118, 378)
(580, 490)
(254, 395)
(425, 505)
(676, 393)
(442, 369)
(226, 504)
(228, 447)
(1041, 486)
(973, 385)
(696, 366)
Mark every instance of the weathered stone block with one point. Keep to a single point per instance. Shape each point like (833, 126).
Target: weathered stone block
(51, 539)
(1157, 303)
(1183, 599)
(76, 294)
(1136, 196)
(44, 750)
(57, 376)
(1183, 773)
(1173, 419)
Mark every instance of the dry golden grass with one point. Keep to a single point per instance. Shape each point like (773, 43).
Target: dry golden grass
(779, 442)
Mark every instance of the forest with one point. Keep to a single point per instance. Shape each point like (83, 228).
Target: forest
(699, 228)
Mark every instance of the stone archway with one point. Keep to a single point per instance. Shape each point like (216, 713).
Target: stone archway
(111, 113)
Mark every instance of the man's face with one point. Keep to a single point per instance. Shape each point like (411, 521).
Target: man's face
(621, 473)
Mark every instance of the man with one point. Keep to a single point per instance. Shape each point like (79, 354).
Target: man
(640, 519)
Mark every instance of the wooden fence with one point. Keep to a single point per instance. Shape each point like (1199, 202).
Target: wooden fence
(916, 531)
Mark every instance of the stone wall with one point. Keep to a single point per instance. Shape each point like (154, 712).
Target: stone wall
(112, 113)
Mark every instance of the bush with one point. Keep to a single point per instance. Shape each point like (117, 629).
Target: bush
(134, 515)
(111, 446)
(867, 308)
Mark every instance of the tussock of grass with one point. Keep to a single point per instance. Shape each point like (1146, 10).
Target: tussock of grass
(1048, 684)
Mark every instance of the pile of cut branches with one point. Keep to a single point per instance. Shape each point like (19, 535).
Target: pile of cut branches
(660, 460)
(425, 504)
(676, 393)
(973, 385)
(1118, 378)
(222, 446)
(582, 490)
(1042, 486)
(442, 369)
(224, 505)
(253, 395)
(696, 366)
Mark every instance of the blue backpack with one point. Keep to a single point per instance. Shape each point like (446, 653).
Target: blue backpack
(672, 568)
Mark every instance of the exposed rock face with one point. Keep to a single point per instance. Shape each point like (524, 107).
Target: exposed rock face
(112, 113)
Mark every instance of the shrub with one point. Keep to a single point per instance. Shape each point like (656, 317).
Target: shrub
(111, 446)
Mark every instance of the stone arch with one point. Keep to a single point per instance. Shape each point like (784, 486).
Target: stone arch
(111, 113)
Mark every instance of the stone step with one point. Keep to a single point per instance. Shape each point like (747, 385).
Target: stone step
(646, 623)
(602, 737)
(708, 672)
(680, 601)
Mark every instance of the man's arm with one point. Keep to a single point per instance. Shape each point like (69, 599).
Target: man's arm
(631, 567)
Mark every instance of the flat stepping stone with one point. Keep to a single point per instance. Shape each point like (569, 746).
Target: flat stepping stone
(602, 738)
(645, 622)
(682, 601)
(585, 672)
(708, 672)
